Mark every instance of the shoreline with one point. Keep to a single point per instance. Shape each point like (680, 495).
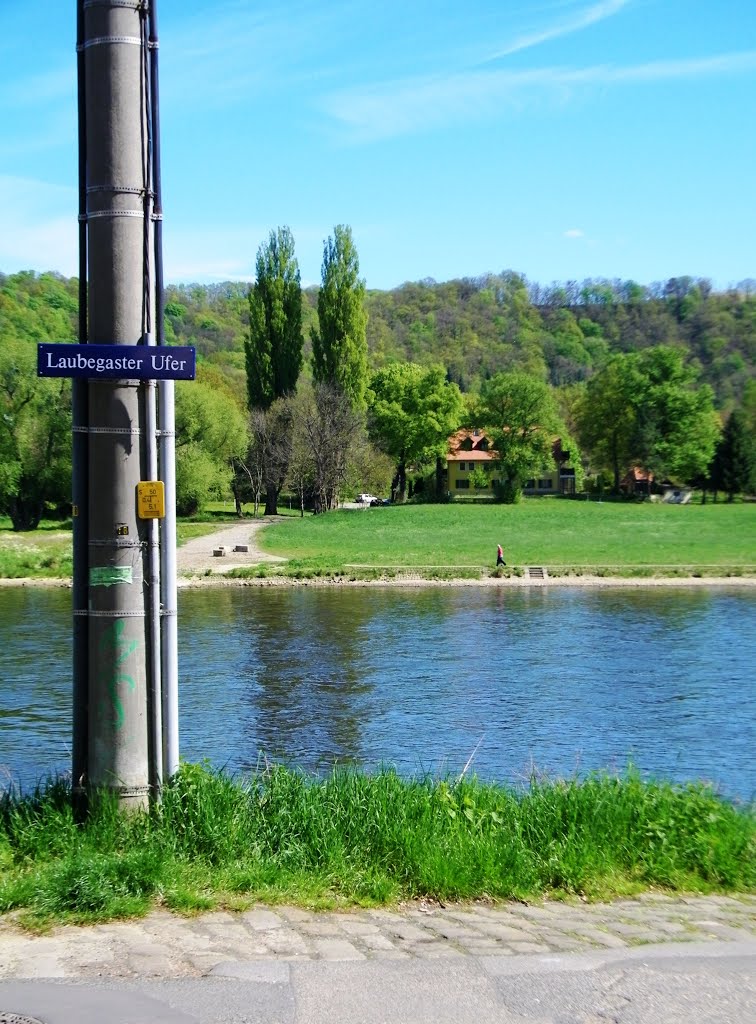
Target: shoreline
(409, 579)
(200, 569)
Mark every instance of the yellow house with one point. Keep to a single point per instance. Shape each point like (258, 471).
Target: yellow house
(470, 450)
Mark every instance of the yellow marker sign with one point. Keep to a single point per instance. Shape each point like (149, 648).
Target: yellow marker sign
(151, 499)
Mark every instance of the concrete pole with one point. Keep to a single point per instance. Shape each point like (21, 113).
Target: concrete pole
(119, 303)
(80, 469)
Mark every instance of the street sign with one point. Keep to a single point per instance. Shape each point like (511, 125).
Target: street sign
(116, 362)
(151, 499)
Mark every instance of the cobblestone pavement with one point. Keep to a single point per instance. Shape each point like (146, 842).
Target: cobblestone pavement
(163, 945)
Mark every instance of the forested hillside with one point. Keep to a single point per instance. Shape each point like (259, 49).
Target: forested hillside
(474, 327)
(627, 376)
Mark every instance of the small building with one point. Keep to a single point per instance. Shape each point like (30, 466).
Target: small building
(470, 450)
(637, 481)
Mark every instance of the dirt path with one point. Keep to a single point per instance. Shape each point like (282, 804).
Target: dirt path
(196, 556)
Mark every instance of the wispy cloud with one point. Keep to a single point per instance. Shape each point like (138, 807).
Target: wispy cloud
(574, 233)
(46, 133)
(400, 107)
(39, 225)
(244, 50)
(566, 25)
(42, 89)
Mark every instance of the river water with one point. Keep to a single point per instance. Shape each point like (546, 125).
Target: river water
(558, 680)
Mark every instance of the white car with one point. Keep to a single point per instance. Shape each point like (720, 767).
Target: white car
(366, 499)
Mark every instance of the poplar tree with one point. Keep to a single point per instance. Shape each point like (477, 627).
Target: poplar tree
(339, 345)
(273, 349)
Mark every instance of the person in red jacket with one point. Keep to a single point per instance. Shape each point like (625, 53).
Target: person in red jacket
(499, 556)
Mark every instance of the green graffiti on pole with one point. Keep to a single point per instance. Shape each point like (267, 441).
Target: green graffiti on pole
(116, 648)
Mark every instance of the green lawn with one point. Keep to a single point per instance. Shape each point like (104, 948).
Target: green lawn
(567, 537)
(562, 535)
(42, 553)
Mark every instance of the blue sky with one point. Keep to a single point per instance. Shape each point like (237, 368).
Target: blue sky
(559, 138)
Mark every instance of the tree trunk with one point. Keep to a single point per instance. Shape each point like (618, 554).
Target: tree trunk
(401, 481)
(615, 464)
(237, 500)
(25, 514)
(439, 478)
(271, 499)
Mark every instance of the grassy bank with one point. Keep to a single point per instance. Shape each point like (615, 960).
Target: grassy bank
(569, 537)
(356, 839)
(44, 553)
(459, 541)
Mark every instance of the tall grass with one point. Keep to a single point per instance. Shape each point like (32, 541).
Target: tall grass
(351, 838)
(43, 557)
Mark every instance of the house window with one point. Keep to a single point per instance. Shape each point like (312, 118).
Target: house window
(463, 485)
(530, 485)
(545, 485)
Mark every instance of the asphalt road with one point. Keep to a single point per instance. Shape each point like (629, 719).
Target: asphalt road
(686, 983)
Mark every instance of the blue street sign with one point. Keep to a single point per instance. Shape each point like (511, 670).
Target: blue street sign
(116, 362)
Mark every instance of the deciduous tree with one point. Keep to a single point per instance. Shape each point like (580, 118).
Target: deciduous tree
(211, 433)
(267, 459)
(413, 410)
(329, 430)
(645, 408)
(606, 417)
(35, 437)
(519, 416)
(678, 427)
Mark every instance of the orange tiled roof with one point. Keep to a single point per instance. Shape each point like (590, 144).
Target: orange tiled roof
(459, 454)
(636, 473)
(474, 456)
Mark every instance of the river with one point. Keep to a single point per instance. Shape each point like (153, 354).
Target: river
(552, 680)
